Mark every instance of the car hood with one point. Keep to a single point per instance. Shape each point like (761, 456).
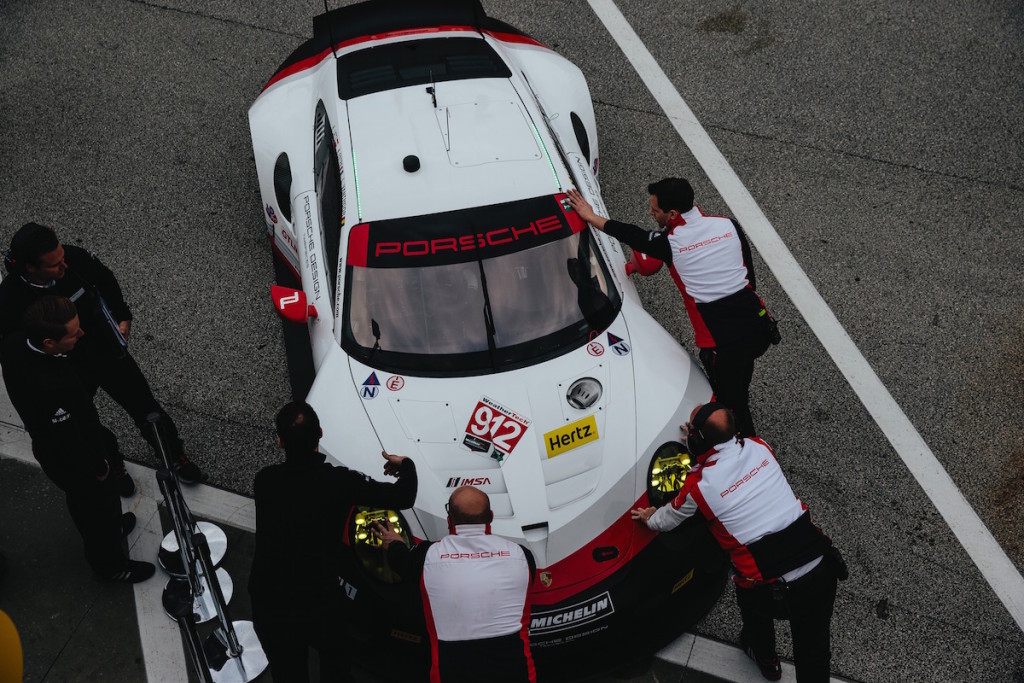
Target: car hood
(563, 484)
(548, 468)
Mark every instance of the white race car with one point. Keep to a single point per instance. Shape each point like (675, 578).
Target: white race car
(413, 160)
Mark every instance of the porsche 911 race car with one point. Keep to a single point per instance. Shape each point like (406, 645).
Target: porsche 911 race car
(413, 162)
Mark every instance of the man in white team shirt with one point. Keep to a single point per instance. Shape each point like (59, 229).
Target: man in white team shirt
(711, 264)
(783, 566)
(474, 587)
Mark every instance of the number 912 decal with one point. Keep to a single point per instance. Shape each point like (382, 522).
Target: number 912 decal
(494, 430)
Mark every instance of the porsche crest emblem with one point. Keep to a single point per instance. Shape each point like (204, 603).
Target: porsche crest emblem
(545, 578)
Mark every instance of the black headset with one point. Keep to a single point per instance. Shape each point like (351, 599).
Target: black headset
(11, 263)
(696, 441)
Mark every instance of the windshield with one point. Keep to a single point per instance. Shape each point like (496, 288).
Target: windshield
(453, 294)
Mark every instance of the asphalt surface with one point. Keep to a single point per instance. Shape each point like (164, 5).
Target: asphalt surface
(884, 141)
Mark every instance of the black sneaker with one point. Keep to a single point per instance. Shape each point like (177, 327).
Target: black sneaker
(134, 572)
(770, 668)
(124, 483)
(127, 523)
(188, 472)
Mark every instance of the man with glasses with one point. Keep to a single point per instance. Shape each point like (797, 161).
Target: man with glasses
(474, 587)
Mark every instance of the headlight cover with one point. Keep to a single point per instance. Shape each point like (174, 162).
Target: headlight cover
(669, 467)
(367, 547)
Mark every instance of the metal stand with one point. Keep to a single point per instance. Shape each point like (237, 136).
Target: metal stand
(186, 621)
(170, 557)
(200, 591)
(233, 645)
(251, 660)
(173, 562)
(179, 591)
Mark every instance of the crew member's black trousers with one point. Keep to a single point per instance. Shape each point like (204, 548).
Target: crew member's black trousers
(730, 369)
(287, 637)
(124, 382)
(807, 604)
(96, 511)
(504, 658)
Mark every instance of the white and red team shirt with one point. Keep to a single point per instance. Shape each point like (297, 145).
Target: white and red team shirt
(741, 490)
(710, 262)
(474, 587)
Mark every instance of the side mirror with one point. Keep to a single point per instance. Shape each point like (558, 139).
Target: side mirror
(291, 305)
(643, 264)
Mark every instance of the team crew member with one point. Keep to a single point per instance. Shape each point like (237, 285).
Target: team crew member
(783, 566)
(474, 587)
(302, 507)
(67, 438)
(710, 261)
(39, 265)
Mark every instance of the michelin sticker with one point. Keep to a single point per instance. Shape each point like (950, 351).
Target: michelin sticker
(571, 617)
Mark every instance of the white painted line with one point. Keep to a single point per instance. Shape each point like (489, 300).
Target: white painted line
(162, 649)
(976, 539)
(163, 652)
(720, 660)
(223, 507)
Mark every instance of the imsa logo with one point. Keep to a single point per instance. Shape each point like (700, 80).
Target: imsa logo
(573, 616)
(468, 481)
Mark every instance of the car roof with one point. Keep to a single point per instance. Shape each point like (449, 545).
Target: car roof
(477, 146)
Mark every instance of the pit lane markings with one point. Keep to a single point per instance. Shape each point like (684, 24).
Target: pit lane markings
(163, 652)
(961, 518)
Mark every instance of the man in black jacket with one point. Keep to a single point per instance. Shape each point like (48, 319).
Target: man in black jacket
(68, 439)
(38, 265)
(711, 264)
(302, 507)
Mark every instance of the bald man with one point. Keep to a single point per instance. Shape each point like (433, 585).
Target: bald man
(783, 566)
(474, 587)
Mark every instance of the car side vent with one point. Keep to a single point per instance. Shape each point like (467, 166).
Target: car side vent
(581, 134)
(283, 186)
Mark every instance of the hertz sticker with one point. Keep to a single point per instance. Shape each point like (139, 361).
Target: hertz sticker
(572, 435)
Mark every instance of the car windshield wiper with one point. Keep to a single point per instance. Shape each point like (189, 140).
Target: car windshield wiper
(593, 302)
(375, 329)
(488, 315)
